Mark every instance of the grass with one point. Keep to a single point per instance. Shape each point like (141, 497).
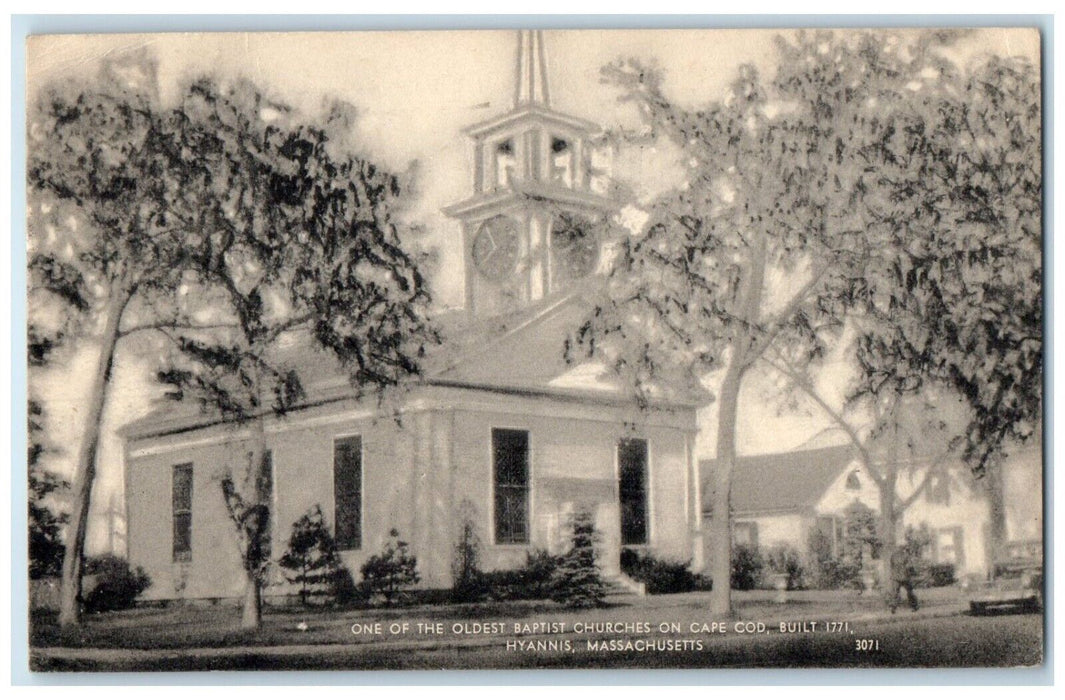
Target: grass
(954, 642)
(184, 627)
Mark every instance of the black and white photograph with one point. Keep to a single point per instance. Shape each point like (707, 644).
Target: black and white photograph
(535, 348)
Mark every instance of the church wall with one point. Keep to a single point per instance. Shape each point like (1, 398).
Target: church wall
(573, 465)
(303, 477)
(418, 477)
(213, 569)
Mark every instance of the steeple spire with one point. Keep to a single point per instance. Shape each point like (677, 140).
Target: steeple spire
(532, 70)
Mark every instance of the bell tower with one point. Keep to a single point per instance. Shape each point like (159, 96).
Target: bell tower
(528, 230)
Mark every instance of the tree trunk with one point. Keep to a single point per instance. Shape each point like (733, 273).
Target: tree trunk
(251, 616)
(721, 515)
(888, 528)
(85, 470)
(996, 500)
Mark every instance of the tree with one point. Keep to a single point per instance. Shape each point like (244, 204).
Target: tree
(108, 236)
(576, 582)
(468, 583)
(306, 255)
(312, 556)
(45, 525)
(792, 216)
(211, 239)
(392, 571)
(961, 306)
(900, 437)
(950, 304)
(757, 247)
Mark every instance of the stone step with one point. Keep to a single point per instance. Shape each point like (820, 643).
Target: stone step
(621, 584)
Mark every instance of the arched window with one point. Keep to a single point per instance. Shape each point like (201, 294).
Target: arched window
(561, 162)
(505, 163)
(853, 482)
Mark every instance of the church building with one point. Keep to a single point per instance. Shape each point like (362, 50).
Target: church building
(499, 431)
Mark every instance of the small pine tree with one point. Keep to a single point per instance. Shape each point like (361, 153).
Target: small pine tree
(312, 556)
(468, 584)
(576, 582)
(389, 573)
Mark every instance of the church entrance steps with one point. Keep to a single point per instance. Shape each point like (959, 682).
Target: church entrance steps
(622, 584)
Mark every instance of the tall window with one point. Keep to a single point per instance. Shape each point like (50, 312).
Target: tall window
(510, 457)
(347, 491)
(181, 506)
(632, 488)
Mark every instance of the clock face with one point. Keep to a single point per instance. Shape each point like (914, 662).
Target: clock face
(574, 247)
(496, 248)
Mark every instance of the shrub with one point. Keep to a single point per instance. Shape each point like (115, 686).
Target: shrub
(860, 530)
(785, 559)
(389, 573)
(657, 575)
(347, 592)
(313, 559)
(747, 565)
(534, 581)
(939, 575)
(827, 570)
(576, 582)
(844, 572)
(468, 580)
(117, 585)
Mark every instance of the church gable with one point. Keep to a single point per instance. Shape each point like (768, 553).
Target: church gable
(528, 354)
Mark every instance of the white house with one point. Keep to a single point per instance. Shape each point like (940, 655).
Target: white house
(779, 499)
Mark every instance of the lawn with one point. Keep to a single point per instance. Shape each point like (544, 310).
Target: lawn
(184, 627)
(957, 641)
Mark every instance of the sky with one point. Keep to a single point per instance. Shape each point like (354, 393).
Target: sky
(414, 92)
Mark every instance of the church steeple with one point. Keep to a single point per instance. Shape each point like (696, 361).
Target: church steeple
(527, 229)
(531, 87)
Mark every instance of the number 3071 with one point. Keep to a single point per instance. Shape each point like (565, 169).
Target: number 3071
(867, 645)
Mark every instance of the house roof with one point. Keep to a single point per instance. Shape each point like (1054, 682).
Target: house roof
(785, 481)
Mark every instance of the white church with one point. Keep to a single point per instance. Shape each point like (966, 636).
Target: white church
(497, 427)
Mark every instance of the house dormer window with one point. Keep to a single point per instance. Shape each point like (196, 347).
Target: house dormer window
(853, 482)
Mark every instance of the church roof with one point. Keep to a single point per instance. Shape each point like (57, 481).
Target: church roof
(524, 190)
(517, 352)
(528, 112)
(780, 482)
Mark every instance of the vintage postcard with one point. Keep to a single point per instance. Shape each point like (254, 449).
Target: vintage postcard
(535, 349)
